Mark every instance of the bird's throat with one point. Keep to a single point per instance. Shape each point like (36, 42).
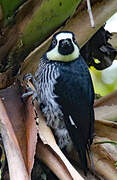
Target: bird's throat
(54, 55)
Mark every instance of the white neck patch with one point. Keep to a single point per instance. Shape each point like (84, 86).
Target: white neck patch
(54, 55)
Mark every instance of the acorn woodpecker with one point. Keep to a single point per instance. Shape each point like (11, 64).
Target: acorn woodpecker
(65, 94)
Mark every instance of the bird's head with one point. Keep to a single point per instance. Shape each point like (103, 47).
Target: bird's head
(63, 47)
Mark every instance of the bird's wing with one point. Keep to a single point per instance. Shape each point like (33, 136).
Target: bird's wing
(75, 97)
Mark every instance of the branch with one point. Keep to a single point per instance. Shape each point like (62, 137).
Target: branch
(90, 13)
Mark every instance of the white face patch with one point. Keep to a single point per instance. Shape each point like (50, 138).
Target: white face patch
(56, 56)
(63, 36)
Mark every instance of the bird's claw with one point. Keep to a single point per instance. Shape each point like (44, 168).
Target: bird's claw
(30, 91)
(28, 77)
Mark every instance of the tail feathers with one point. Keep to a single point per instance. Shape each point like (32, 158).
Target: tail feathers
(81, 147)
(82, 151)
(79, 139)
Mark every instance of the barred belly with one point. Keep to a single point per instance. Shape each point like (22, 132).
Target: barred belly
(49, 107)
(55, 120)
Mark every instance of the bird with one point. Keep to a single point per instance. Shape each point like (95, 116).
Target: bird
(65, 94)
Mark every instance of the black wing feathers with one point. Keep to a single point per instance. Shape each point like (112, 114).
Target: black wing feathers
(75, 97)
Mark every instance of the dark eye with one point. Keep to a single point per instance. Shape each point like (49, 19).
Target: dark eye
(54, 42)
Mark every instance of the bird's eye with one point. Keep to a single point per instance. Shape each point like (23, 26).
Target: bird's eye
(54, 42)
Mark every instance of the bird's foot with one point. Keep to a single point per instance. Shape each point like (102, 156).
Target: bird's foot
(29, 77)
(30, 91)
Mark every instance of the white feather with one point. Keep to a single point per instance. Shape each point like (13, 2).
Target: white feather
(72, 122)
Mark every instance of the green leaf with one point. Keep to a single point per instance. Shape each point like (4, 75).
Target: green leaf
(110, 142)
(115, 163)
(9, 7)
(46, 19)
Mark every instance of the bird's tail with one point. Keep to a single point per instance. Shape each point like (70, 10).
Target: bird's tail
(81, 145)
(82, 153)
(81, 148)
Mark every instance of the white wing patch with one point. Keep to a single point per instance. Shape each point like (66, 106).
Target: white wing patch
(72, 122)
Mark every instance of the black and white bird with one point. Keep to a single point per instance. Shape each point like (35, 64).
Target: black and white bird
(65, 94)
